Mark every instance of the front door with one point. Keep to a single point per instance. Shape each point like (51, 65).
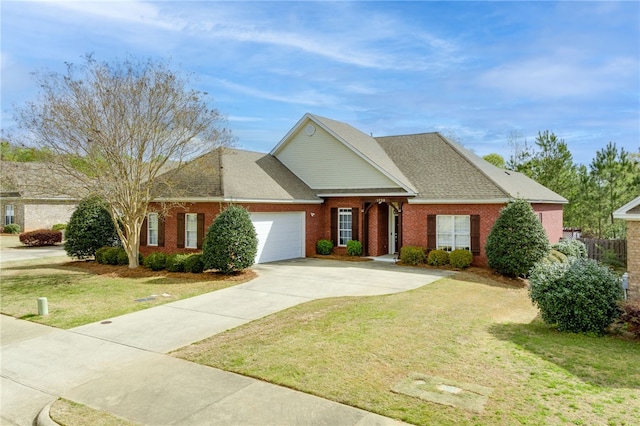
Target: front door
(393, 231)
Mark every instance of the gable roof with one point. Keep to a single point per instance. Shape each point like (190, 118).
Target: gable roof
(229, 175)
(363, 145)
(445, 172)
(34, 181)
(630, 211)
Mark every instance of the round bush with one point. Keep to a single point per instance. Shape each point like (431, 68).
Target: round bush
(438, 258)
(578, 296)
(12, 228)
(41, 237)
(412, 255)
(110, 256)
(460, 259)
(324, 247)
(231, 243)
(354, 248)
(156, 261)
(193, 263)
(517, 240)
(571, 247)
(100, 254)
(59, 227)
(123, 258)
(175, 262)
(90, 227)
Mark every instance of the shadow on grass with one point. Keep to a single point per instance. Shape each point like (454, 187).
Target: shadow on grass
(609, 361)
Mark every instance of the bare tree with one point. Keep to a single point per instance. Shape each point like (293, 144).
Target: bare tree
(114, 127)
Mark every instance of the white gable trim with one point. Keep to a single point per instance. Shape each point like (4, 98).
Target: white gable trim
(310, 117)
(621, 213)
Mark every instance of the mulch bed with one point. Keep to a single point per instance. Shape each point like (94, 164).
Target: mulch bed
(142, 272)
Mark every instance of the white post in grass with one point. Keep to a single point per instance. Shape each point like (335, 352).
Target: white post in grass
(43, 306)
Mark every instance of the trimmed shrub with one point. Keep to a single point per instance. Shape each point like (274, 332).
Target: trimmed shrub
(41, 237)
(231, 243)
(460, 259)
(517, 240)
(555, 256)
(90, 227)
(175, 262)
(354, 248)
(412, 255)
(59, 227)
(631, 316)
(100, 253)
(578, 296)
(123, 258)
(571, 247)
(324, 247)
(193, 263)
(12, 228)
(438, 258)
(155, 261)
(110, 256)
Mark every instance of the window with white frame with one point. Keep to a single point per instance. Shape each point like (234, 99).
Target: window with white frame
(344, 226)
(453, 232)
(9, 214)
(191, 230)
(152, 229)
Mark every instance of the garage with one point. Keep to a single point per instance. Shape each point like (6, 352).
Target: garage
(280, 235)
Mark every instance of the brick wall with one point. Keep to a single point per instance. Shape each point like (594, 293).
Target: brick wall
(633, 259)
(551, 217)
(314, 222)
(414, 225)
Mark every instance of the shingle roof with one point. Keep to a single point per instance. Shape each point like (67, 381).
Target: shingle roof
(34, 180)
(442, 170)
(257, 176)
(233, 174)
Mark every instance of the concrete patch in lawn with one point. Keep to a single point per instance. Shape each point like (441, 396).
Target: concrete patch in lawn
(468, 396)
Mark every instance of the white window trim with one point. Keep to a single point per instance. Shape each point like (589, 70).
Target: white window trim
(344, 212)
(13, 214)
(453, 234)
(150, 228)
(186, 230)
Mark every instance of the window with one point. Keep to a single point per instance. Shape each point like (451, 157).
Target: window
(453, 232)
(191, 230)
(152, 229)
(344, 226)
(9, 214)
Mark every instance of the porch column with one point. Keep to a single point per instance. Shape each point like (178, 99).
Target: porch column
(399, 228)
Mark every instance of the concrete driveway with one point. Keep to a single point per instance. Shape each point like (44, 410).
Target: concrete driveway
(120, 366)
(28, 253)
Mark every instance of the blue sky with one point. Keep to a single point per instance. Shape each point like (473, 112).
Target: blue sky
(477, 70)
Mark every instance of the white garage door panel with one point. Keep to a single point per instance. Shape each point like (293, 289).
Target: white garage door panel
(280, 235)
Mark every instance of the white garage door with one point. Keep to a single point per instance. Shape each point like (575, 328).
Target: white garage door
(280, 235)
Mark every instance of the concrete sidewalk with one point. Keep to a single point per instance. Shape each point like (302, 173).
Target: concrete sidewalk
(121, 367)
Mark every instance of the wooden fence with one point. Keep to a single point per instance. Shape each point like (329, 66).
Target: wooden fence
(606, 250)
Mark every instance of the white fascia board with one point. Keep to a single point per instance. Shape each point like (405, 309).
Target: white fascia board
(626, 216)
(359, 194)
(487, 201)
(621, 213)
(234, 200)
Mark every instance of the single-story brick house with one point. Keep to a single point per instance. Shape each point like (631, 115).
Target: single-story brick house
(29, 199)
(328, 180)
(630, 212)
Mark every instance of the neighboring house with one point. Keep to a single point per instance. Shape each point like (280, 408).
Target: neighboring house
(28, 197)
(630, 212)
(328, 180)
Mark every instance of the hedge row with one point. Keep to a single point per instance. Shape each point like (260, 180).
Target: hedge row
(414, 255)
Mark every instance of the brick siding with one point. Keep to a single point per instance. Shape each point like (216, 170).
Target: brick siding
(633, 259)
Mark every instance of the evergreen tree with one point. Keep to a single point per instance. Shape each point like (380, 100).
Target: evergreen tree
(90, 227)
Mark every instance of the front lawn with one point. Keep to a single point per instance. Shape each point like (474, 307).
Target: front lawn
(467, 330)
(79, 293)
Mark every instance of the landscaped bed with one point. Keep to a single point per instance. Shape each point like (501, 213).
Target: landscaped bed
(82, 292)
(457, 335)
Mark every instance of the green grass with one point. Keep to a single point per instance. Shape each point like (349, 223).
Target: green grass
(65, 412)
(354, 350)
(76, 296)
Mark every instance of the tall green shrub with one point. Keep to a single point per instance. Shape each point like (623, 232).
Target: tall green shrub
(578, 296)
(517, 240)
(231, 243)
(90, 227)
